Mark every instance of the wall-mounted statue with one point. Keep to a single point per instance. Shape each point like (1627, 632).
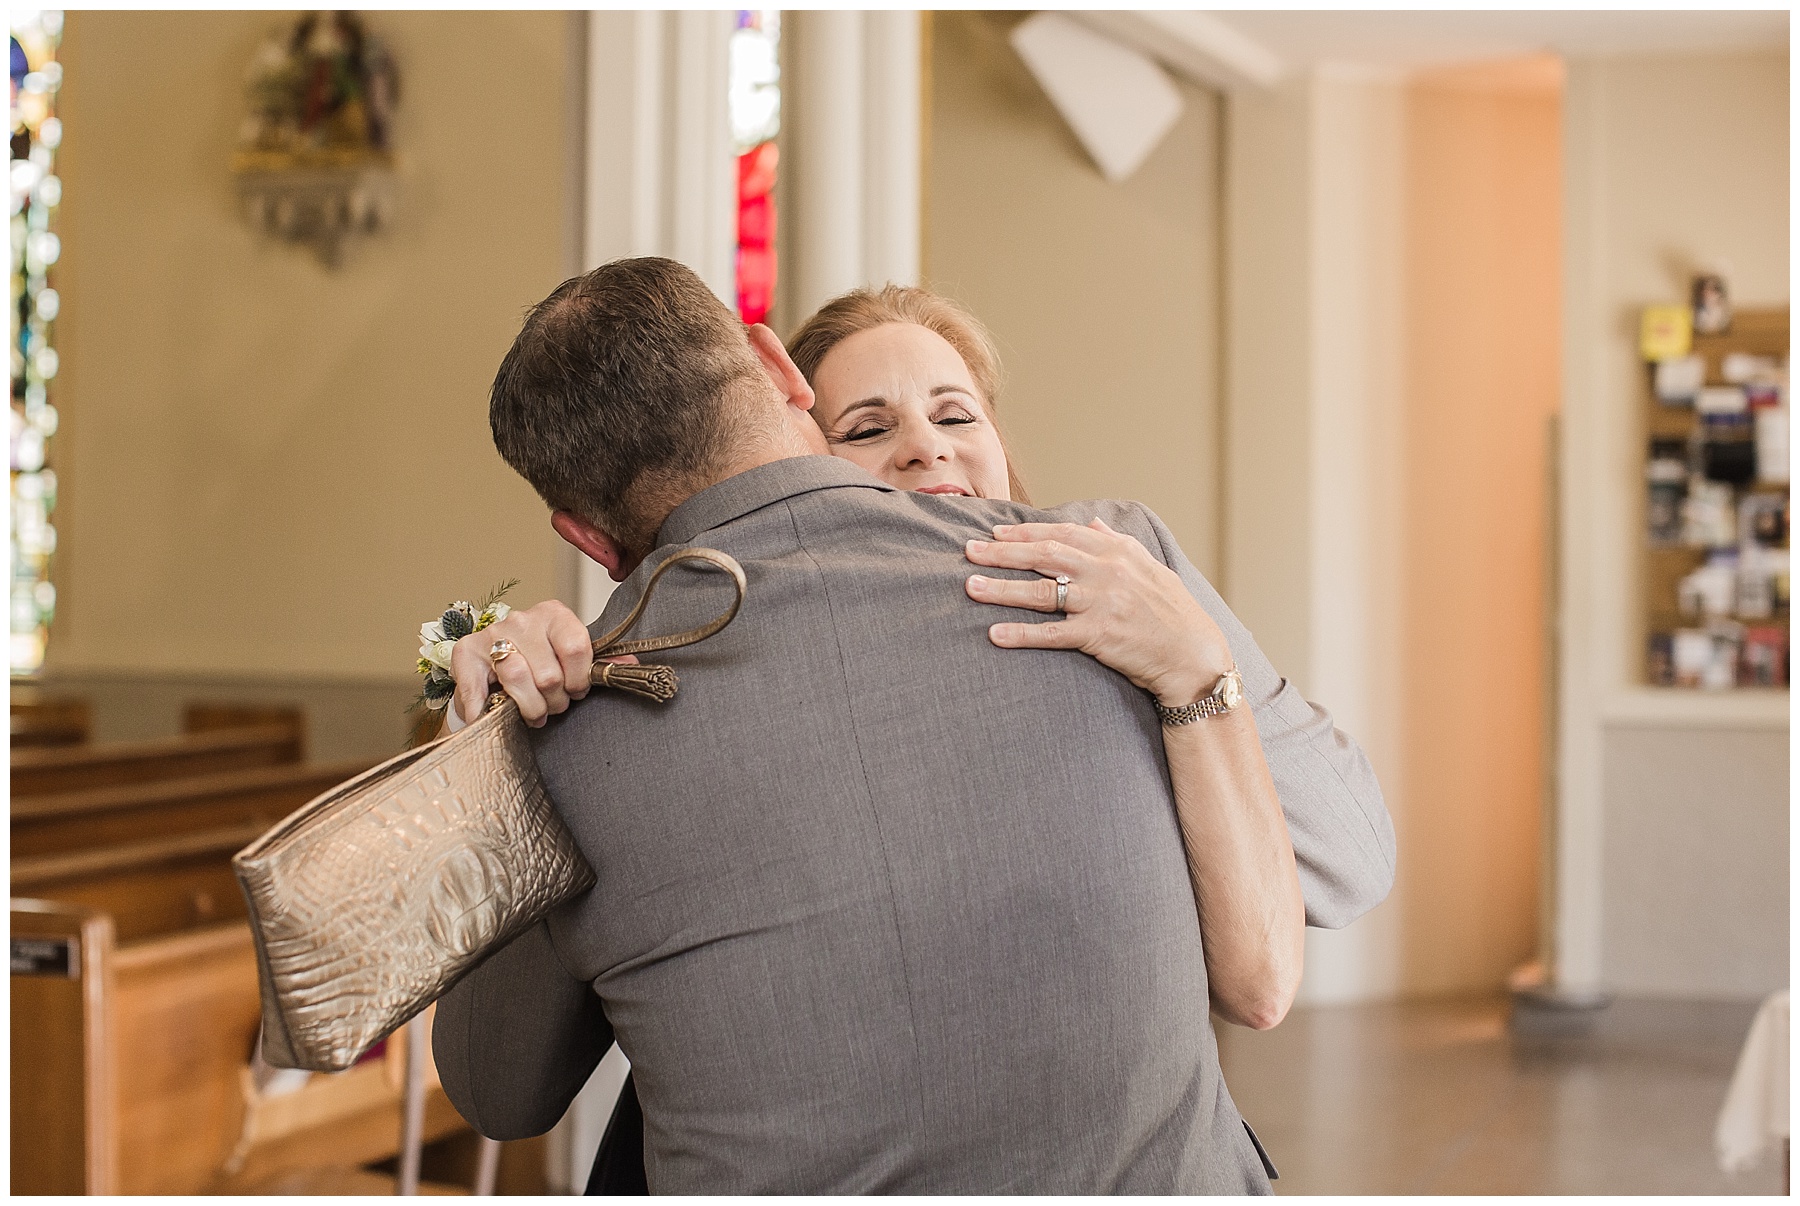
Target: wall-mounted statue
(315, 158)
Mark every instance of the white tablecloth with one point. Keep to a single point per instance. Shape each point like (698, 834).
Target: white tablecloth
(1755, 1113)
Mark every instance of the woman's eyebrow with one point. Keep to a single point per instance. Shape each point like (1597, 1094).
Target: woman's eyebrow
(949, 389)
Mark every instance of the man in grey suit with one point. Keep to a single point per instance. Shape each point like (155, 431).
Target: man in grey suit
(879, 906)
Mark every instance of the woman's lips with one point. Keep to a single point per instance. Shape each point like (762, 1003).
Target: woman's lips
(946, 488)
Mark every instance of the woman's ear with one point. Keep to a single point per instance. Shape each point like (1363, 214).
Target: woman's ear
(783, 372)
(595, 543)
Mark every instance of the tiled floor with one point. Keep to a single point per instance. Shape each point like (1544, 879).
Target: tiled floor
(1440, 1097)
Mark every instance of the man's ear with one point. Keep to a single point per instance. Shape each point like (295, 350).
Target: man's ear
(783, 372)
(595, 543)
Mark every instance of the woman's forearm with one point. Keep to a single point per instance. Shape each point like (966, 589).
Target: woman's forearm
(1252, 917)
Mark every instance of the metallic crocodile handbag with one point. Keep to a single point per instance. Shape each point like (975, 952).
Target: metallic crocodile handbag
(370, 902)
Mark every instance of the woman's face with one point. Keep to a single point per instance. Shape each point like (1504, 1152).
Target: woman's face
(898, 400)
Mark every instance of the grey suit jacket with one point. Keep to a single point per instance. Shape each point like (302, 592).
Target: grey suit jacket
(880, 906)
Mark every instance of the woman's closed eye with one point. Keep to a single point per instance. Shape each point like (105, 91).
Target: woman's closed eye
(954, 415)
(863, 431)
(950, 412)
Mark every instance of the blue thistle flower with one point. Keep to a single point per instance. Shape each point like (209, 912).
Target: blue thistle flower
(457, 624)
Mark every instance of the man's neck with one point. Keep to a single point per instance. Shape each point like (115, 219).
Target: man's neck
(778, 445)
(778, 442)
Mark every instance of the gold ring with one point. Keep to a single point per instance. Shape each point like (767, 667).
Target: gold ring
(500, 651)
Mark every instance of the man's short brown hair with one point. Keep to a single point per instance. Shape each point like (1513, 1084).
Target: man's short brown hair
(615, 397)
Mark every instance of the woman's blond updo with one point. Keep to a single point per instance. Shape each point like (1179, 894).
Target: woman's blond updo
(863, 309)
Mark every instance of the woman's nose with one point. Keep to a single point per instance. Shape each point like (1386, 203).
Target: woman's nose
(920, 444)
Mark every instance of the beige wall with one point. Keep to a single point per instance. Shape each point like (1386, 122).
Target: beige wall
(1483, 341)
(1673, 806)
(1104, 297)
(1268, 436)
(269, 468)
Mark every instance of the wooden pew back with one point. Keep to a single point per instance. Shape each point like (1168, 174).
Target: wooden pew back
(150, 888)
(39, 718)
(62, 1123)
(69, 821)
(54, 769)
(210, 717)
(156, 857)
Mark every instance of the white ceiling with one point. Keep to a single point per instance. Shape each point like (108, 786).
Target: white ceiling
(1415, 38)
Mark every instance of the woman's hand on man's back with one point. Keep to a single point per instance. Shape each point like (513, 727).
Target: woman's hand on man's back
(1122, 606)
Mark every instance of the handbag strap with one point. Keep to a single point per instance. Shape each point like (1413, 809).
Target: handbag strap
(653, 682)
(611, 644)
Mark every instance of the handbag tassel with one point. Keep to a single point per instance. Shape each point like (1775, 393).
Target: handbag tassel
(651, 682)
(659, 682)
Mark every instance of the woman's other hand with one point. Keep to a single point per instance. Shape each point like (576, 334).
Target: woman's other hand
(1124, 607)
(551, 665)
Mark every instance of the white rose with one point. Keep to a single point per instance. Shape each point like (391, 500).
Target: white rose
(493, 614)
(437, 653)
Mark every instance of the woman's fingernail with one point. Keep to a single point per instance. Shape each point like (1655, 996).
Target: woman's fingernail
(1002, 527)
(977, 544)
(978, 582)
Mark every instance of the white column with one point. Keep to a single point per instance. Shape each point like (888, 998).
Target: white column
(821, 243)
(892, 146)
(852, 111)
(625, 144)
(700, 190)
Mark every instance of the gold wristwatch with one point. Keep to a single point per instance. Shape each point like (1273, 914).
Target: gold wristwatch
(1225, 696)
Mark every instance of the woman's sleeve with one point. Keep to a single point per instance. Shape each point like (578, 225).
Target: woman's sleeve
(1342, 835)
(517, 1038)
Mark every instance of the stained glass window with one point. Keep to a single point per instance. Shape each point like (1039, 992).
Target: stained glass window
(755, 94)
(36, 192)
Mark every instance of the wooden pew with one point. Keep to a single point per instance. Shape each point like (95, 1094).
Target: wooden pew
(206, 717)
(157, 856)
(55, 769)
(149, 888)
(144, 1083)
(131, 1076)
(68, 821)
(39, 718)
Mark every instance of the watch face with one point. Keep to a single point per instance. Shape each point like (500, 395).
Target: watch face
(1231, 690)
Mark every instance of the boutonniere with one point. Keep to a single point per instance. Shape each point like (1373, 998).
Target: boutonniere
(438, 637)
